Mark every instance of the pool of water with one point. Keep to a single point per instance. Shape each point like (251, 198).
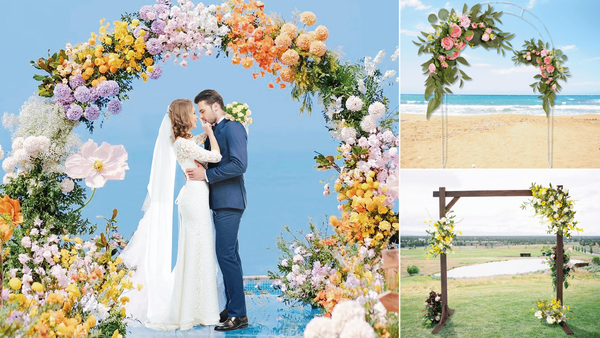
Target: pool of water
(267, 317)
(510, 267)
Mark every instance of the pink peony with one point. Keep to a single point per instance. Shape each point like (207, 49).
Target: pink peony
(465, 21)
(448, 42)
(544, 52)
(547, 60)
(469, 37)
(98, 164)
(488, 30)
(554, 86)
(444, 64)
(455, 31)
(432, 69)
(454, 56)
(538, 60)
(528, 57)
(474, 25)
(550, 69)
(542, 67)
(441, 58)
(460, 45)
(485, 37)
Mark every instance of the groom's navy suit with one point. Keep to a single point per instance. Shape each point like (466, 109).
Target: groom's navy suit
(228, 201)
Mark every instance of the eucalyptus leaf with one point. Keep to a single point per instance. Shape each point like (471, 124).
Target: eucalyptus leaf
(443, 14)
(564, 57)
(432, 18)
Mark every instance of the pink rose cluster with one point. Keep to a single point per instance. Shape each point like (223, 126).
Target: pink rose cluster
(545, 65)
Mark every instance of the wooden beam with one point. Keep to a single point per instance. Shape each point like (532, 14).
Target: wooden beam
(391, 301)
(452, 203)
(484, 193)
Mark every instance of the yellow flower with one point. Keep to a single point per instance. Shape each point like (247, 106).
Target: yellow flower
(124, 300)
(15, 283)
(37, 287)
(116, 334)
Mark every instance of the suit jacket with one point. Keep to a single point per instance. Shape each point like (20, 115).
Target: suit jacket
(226, 178)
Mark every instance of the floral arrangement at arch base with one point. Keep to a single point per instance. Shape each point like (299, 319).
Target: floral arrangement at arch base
(454, 31)
(551, 312)
(442, 235)
(550, 63)
(433, 309)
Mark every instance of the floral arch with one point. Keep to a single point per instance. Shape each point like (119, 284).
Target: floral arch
(79, 84)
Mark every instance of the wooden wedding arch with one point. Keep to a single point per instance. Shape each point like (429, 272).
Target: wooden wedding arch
(442, 194)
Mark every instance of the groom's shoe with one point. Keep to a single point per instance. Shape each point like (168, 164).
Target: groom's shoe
(223, 316)
(233, 323)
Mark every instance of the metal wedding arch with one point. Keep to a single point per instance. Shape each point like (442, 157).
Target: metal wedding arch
(550, 118)
(442, 194)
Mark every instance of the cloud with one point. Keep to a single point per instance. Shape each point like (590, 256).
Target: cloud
(516, 70)
(448, 5)
(584, 83)
(481, 65)
(424, 27)
(413, 3)
(409, 33)
(567, 47)
(531, 3)
(470, 57)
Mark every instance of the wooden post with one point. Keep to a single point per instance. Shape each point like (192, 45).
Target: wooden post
(391, 265)
(446, 311)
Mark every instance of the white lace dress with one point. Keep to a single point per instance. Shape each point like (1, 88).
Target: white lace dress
(195, 298)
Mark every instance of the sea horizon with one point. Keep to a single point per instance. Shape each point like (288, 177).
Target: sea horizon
(518, 104)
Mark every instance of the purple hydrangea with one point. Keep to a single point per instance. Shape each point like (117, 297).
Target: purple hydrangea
(144, 12)
(82, 94)
(156, 72)
(62, 94)
(91, 112)
(94, 94)
(162, 9)
(108, 88)
(137, 31)
(158, 27)
(114, 106)
(74, 112)
(76, 81)
(154, 46)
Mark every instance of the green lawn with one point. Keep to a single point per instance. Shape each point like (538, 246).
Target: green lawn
(497, 306)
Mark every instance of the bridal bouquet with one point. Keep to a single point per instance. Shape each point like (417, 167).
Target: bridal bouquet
(238, 111)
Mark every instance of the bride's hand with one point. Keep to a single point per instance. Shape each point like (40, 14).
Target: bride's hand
(207, 128)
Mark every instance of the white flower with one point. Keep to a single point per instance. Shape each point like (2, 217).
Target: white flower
(9, 164)
(284, 262)
(1, 152)
(67, 185)
(389, 73)
(539, 314)
(394, 56)
(298, 258)
(354, 103)
(368, 124)
(377, 109)
(26, 242)
(9, 177)
(20, 155)
(320, 327)
(357, 328)
(550, 320)
(361, 86)
(17, 143)
(344, 312)
(347, 133)
(379, 56)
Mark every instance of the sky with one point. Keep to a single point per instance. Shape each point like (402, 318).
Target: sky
(569, 24)
(495, 216)
(282, 186)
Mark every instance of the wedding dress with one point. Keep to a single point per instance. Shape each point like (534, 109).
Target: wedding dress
(193, 293)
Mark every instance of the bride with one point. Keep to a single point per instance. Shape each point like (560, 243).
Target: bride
(193, 293)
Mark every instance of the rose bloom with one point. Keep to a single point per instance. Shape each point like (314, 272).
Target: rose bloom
(465, 21)
(481, 25)
(469, 37)
(547, 60)
(432, 68)
(460, 45)
(441, 58)
(485, 37)
(455, 31)
(554, 86)
(474, 25)
(454, 56)
(550, 69)
(448, 43)
(488, 30)
(444, 64)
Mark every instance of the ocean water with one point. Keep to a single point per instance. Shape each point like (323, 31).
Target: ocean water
(565, 105)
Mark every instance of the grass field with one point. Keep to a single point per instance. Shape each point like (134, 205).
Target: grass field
(498, 306)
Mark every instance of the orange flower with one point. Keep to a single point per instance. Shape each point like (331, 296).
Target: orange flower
(287, 74)
(290, 57)
(282, 85)
(321, 33)
(247, 62)
(236, 60)
(271, 86)
(308, 18)
(303, 41)
(318, 48)
(283, 41)
(11, 216)
(290, 30)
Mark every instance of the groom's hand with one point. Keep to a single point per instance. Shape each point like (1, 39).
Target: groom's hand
(197, 174)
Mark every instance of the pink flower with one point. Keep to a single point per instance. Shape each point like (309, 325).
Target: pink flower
(454, 56)
(529, 57)
(537, 53)
(448, 42)
(542, 67)
(548, 82)
(456, 31)
(538, 61)
(469, 37)
(544, 52)
(550, 68)
(544, 75)
(441, 58)
(550, 79)
(547, 60)
(98, 164)
(554, 86)
(481, 25)
(465, 21)
(474, 25)
(488, 30)
(460, 45)
(485, 37)
(493, 37)
(432, 69)
(444, 64)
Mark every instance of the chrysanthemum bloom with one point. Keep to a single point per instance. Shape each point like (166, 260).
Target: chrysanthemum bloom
(283, 41)
(114, 106)
(74, 112)
(303, 41)
(91, 112)
(98, 164)
(290, 57)
(287, 74)
(321, 33)
(290, 30)
(354, 103)
(308, 18)
(318, 48)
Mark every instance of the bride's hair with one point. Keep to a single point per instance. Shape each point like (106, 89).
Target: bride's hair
(179, 113)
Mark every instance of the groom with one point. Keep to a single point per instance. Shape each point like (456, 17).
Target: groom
(227, 201)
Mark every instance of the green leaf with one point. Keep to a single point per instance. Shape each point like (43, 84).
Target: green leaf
(465, 9)
(465, 76)
(475, 9)
(461, 83)
(416, 43)
(428, 91)
(431, 106)
(546, 108)
(432, 18)
(538, 76)
(564, 57)
(443, 14)
(39, 77)
(462, 60)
